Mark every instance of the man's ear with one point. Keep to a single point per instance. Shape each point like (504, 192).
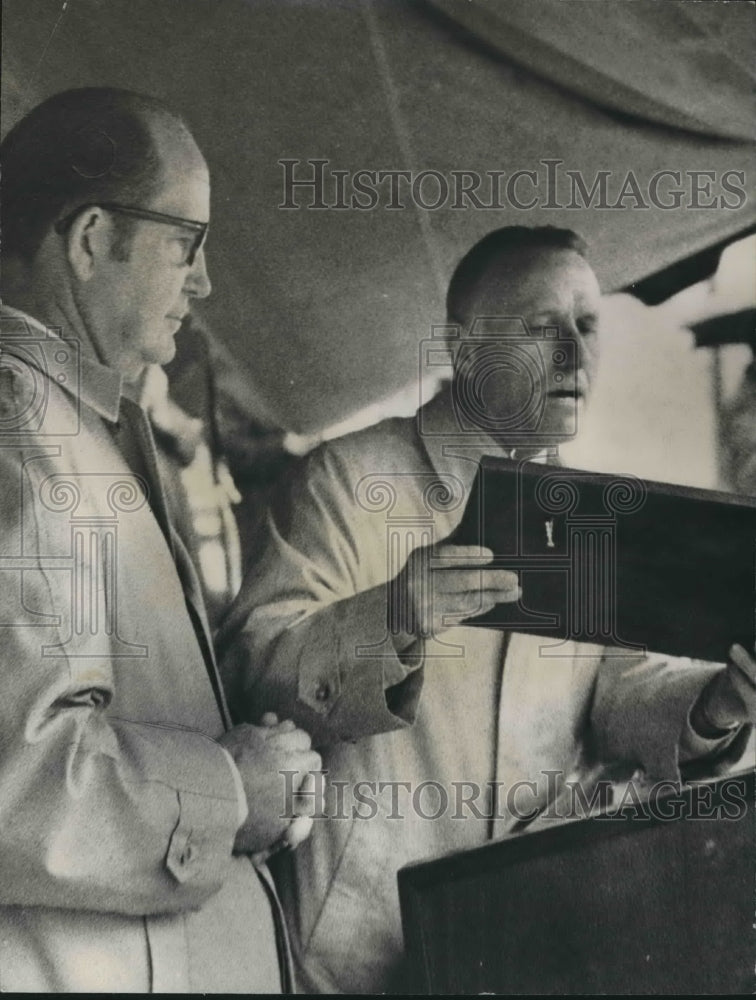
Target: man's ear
(88, 242)
(452, 339)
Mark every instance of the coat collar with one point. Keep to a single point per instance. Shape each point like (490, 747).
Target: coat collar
(456, 450)
(97, 386)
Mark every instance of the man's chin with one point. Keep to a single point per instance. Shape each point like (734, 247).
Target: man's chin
(561, 421)
(165, 351)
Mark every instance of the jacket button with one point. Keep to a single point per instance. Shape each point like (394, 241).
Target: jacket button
(323, 692)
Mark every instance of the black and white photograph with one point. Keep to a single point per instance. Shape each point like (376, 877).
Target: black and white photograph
(378, 497)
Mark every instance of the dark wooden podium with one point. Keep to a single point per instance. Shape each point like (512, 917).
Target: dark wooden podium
(632, 904)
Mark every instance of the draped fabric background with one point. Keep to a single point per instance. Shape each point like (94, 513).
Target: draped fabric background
(327, 307)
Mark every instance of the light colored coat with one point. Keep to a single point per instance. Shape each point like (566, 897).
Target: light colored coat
(485, 706)
(118, 808)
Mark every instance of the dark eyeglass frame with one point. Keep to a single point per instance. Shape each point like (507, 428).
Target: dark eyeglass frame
(198, 228)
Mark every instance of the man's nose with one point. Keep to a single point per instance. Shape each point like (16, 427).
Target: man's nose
(197, 280)
(583, 349)
(579, 350)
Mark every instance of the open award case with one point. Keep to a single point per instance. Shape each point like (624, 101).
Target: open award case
(616, 560)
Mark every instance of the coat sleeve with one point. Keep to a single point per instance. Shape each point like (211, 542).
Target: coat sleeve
(641, 713)
(307, 636)
(96, 812)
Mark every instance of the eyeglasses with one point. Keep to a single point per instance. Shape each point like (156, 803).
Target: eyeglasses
(198, 228)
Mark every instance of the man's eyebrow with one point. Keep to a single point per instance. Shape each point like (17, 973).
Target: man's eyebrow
(550, 312)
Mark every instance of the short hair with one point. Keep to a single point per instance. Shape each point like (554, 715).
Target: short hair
(79, 146)
(477, 262)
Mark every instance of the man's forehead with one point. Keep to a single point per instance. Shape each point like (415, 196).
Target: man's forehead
(184, 185)
(537, 276)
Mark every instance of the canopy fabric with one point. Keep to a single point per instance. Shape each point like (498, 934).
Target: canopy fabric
(328, 307)
(684, 65)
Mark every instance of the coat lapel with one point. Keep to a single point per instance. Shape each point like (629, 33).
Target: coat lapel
(138, 446)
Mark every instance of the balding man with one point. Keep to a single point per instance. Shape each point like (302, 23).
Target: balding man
(357, 654)
(131, 812)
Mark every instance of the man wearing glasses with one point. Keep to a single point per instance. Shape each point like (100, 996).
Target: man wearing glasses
(133, 817)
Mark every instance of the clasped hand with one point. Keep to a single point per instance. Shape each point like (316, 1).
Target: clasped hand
(261, 754)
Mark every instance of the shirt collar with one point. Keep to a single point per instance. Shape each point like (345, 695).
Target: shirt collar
(96, 385)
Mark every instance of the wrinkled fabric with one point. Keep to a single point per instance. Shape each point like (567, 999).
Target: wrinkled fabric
(472, 708)
(118, 808)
